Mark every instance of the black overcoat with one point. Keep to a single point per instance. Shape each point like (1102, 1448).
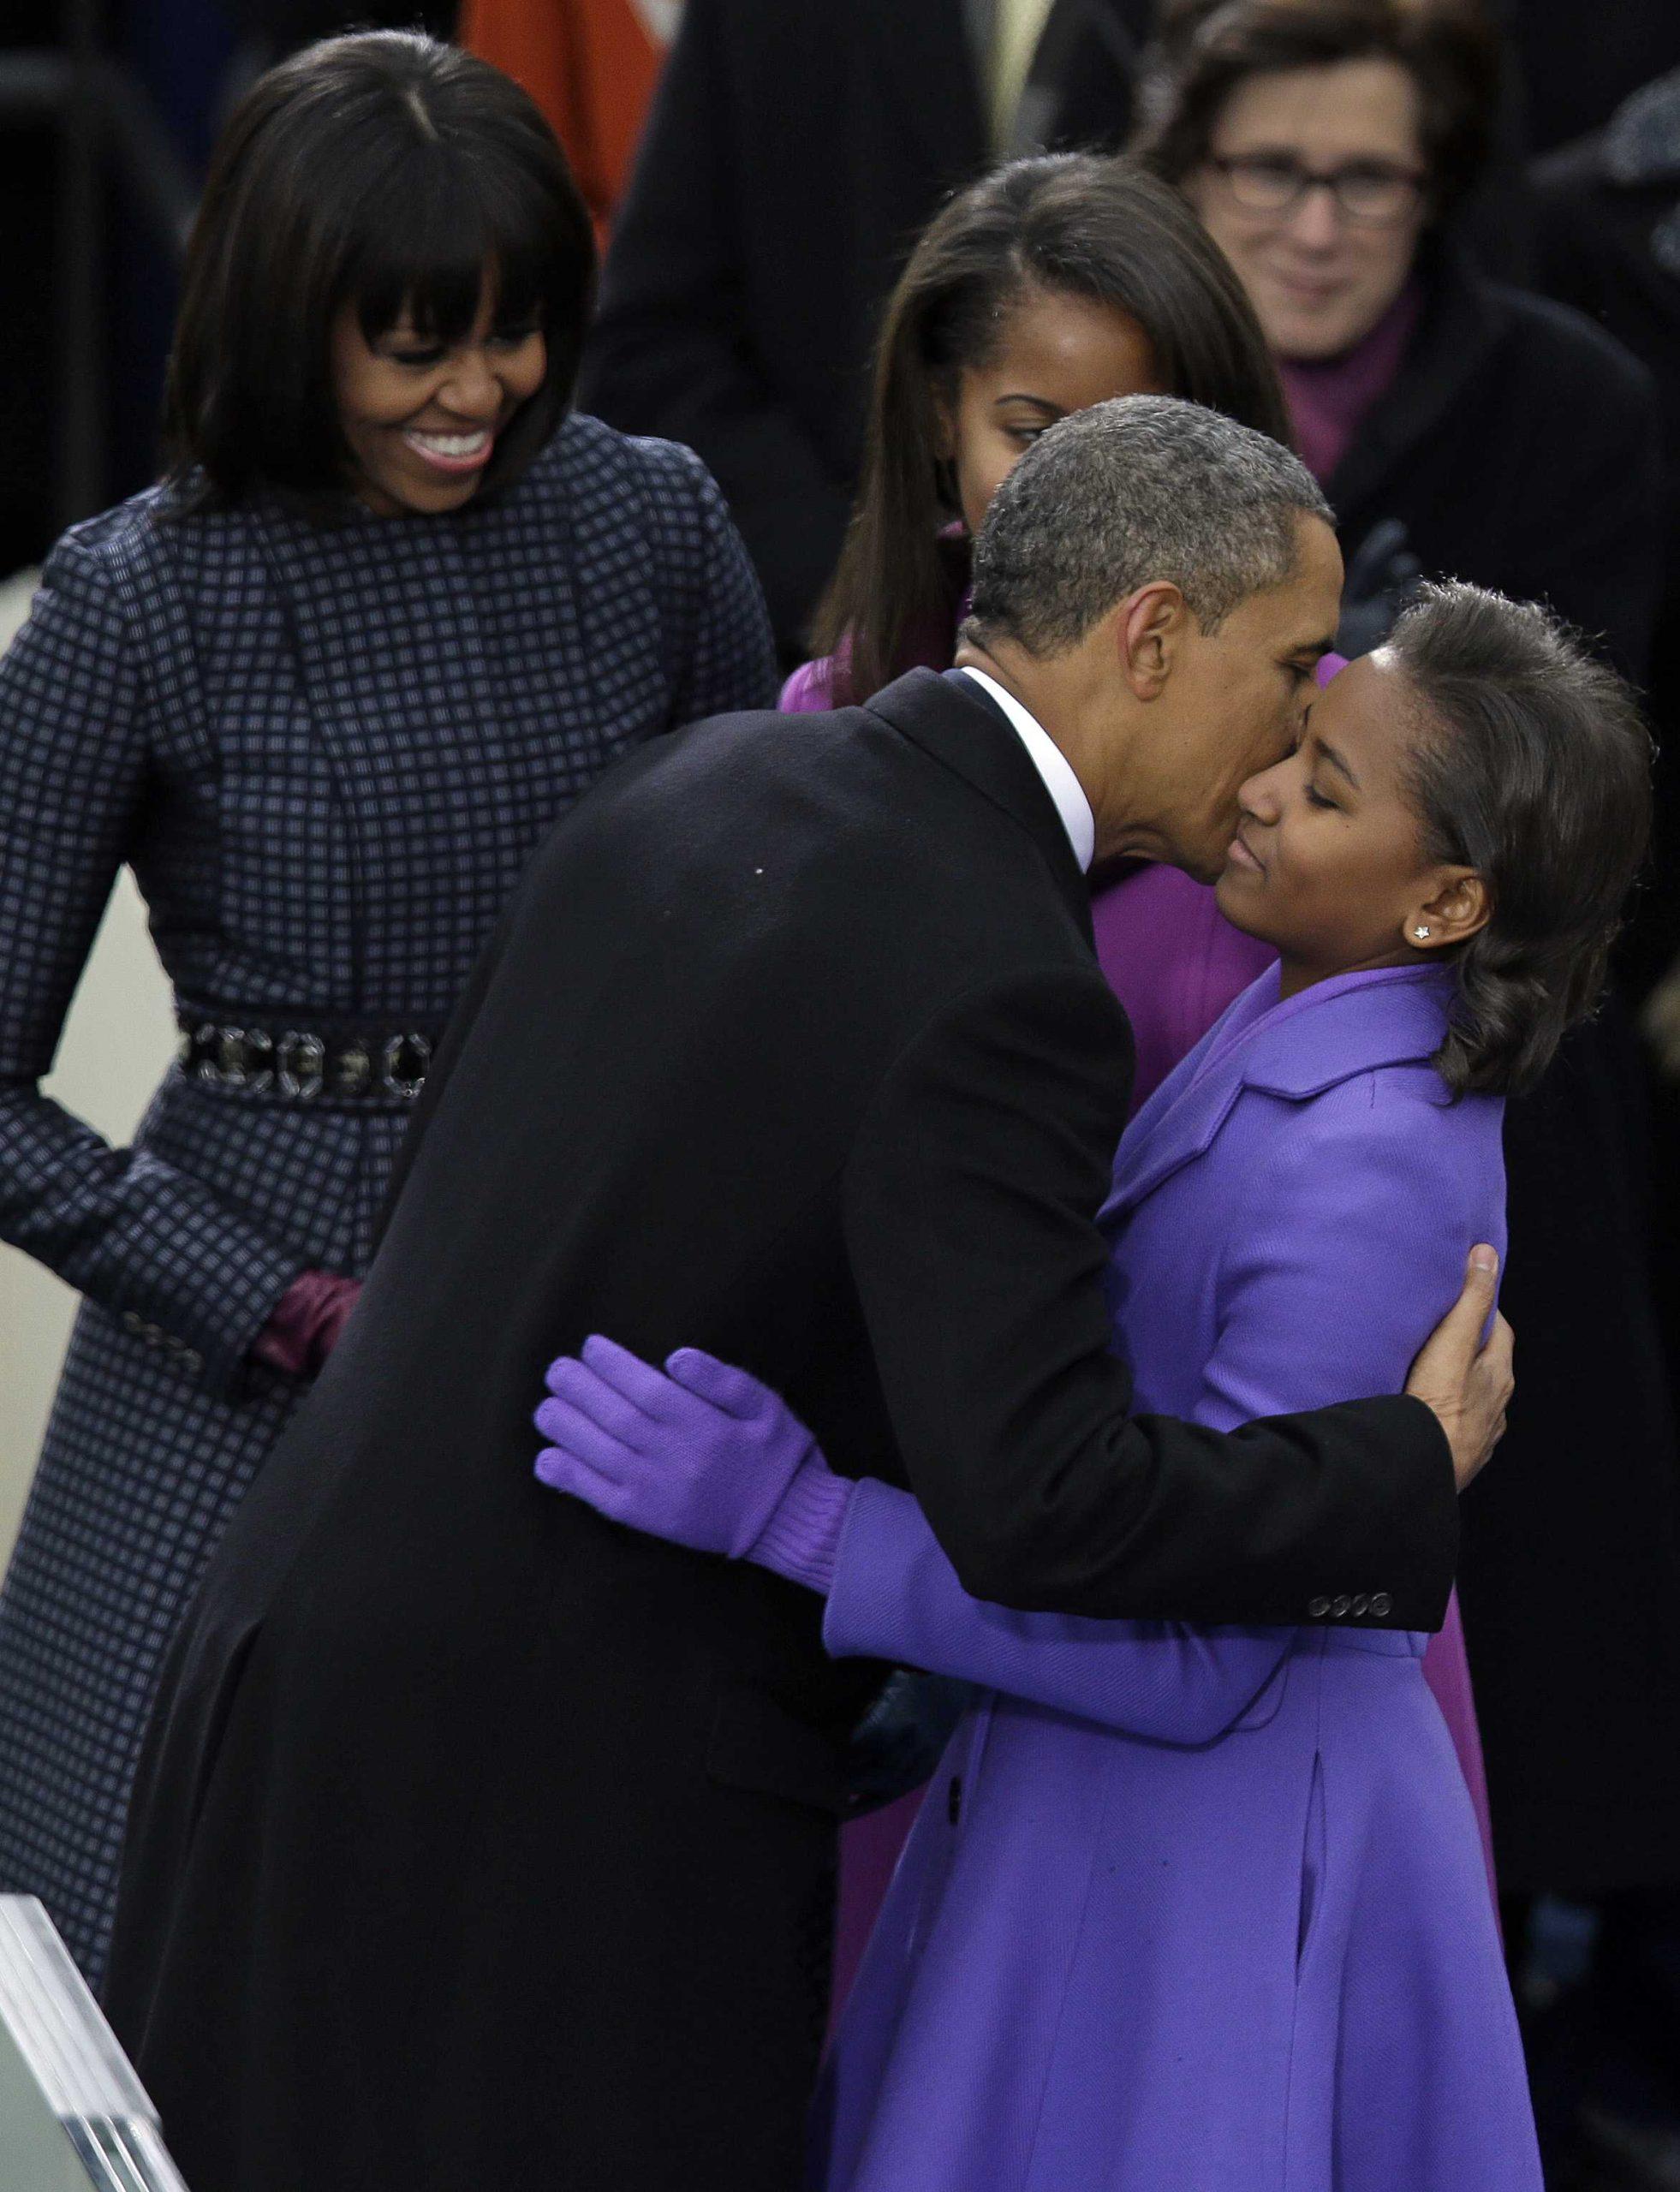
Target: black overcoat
(480, 1841)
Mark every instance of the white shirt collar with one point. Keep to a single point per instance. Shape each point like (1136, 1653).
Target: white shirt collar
(1052, 764)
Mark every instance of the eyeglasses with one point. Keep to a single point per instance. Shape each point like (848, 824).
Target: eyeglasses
(1371, 194)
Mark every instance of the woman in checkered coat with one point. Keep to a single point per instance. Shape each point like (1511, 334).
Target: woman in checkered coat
(324, 690)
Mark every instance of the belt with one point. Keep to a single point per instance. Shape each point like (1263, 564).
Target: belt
(299, 1065)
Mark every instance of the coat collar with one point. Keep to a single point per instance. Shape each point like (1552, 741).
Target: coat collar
(1296, 1050)
(1463, 317)
(952, 719)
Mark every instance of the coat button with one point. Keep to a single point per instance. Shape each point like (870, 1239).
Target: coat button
(192, 1360)
(953, 1799)
(1360, 1605)
(1339, 1606)
(133, 1321)
(1381, 1604)
(1318, 1608)
(152, 1335)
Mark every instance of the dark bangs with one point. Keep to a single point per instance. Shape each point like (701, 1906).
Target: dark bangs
(385, 171)
(432, 232)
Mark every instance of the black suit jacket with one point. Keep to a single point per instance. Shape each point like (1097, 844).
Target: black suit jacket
(793, 1046)
(795, 150)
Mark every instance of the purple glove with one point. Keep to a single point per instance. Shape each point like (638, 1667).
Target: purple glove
(306, 1321)
(704, 1457)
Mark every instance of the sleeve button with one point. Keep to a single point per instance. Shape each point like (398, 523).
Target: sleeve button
(1362, 1604)
(1339, 1606)
(1381, 1604)
(1318, 1608)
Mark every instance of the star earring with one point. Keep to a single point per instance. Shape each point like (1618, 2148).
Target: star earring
(1421, 933)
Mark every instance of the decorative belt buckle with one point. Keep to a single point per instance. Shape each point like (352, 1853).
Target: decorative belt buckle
(300, 1066)
(402, 1066)
(245, 1059)
(352, 1069)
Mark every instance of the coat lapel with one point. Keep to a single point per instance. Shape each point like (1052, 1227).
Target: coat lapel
(952, 719)
(1462, 319)
(1296, 1050)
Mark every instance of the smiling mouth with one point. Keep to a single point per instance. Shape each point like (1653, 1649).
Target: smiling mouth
(1239, 853)
(452, 453)
(1307, 288)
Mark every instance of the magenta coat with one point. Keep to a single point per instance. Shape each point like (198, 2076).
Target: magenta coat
(1205, 1910)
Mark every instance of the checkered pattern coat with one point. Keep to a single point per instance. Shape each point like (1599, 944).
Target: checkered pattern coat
(325, 752)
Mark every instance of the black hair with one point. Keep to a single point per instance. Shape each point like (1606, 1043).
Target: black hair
(1207, 48)
(1533, 768)
(1076, 223)
(383, 170)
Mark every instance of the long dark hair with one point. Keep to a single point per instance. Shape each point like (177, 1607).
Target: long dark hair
(1076, 222)
(381, 168)
(1207, 48)
(1533, 768)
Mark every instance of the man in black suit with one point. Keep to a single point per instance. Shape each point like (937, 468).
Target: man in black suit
(795, 150)
(478, 1841)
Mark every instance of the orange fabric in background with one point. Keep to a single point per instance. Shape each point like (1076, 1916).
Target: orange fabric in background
(591, 66)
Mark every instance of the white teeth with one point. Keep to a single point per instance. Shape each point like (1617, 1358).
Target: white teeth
(451, 445)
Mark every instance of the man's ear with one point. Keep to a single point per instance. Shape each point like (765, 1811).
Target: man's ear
(1455, 905)
(1151, 628)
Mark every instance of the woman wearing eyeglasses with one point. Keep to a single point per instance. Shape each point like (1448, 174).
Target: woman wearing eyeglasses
(1466, 429)
(1459, 427)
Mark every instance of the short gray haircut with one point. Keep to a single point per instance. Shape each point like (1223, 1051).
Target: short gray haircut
(1134, 491)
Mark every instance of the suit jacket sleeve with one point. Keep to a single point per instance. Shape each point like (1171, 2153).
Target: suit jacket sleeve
(668, 354)
(970, 1200)
(133, 1233)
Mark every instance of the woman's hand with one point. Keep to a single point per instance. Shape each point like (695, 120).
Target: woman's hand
(306, 1323)
(699, 1453)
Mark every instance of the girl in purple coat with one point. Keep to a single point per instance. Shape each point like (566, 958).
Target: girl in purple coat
(1204, 1911)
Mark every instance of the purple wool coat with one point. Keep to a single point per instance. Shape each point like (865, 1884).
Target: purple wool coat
(1205, 1910)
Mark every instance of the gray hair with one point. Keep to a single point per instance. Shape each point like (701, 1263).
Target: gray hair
(1134, 491)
